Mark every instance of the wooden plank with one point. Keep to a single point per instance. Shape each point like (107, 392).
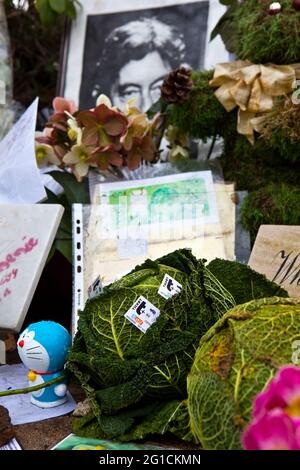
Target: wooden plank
(276, 253)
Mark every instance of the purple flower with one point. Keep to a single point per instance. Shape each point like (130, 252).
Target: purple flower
(274, 430)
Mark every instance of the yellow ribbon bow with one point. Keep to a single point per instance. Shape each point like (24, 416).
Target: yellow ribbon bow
(253, 89)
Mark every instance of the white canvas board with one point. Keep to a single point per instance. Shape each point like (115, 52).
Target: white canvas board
(26, 236)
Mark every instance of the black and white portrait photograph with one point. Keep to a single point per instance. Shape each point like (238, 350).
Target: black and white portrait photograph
(125, 51)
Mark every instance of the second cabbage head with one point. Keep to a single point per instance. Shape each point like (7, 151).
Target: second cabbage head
(132, 377)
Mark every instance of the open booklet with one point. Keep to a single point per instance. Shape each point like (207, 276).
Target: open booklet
(148, 218)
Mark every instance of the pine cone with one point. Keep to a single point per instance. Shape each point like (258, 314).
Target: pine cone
(177, 86)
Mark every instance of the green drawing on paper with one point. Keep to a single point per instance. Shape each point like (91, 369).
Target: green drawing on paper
(173, 201)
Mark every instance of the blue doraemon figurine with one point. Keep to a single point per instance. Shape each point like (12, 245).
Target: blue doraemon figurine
(43, 348)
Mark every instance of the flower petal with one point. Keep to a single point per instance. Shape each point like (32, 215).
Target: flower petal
(60, 151)
(53, 159)
(106, 148)
(82, 168)
(283, 389)
(103, 99)
(102, 113)
(61, 104)
(127, 140)
(87, 118)
(57, 117)
(140, 120)
(71, 158)
(103, 161)
(115, 159)
(90, 136)
(115, 126)
(134, 159)
(43, 139)
(272, 431)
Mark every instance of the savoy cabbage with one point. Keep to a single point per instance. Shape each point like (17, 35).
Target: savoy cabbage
(136, 382)
(235, 360)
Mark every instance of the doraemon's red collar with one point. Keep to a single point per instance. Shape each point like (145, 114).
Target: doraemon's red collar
(45, 373)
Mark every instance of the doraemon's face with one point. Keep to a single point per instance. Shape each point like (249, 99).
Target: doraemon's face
(32, 353)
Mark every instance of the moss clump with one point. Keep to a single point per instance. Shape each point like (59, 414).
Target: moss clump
(202, 116)
(282, 129)
(280, 142)
(252, 167)
(274, 204)
(267, 38)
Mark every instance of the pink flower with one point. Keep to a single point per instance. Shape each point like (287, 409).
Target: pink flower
(282, 392)
(60, 105)
(272, 431)
(276, 414)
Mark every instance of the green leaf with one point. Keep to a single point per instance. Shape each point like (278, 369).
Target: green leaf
(171, 416)
(242, 282)
(157, 107)
(65, 248)
(228, 2)
(71, 10)
(51, 252)
(46, 13)
(226, 28)
(63, 239)
(59, 6)
(65, 226)
(75, 192)
(51, 197)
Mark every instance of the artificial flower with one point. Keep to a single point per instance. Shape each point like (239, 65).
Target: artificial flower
(60, 105)
(142, 149)
(63, 111)
(102, 125)
(80, 159)
(44, 153)
(74, 130)
(130, 108)
(103, 99)
(274, 430)
(177, 152)
(102, 137)
(138, 126)
(176, 137)
(108, 155)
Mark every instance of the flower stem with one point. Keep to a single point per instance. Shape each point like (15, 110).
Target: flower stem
(32, 389)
